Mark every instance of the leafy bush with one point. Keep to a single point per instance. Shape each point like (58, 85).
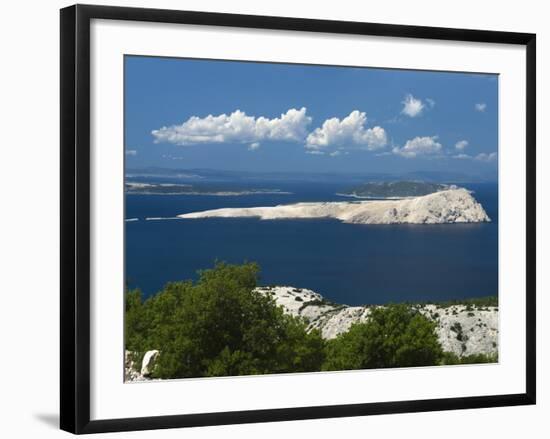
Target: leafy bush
(393, 336)
(449, 358)
(219, 326)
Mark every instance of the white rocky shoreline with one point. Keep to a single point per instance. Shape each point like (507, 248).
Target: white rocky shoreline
(461, 329)
(456, 205)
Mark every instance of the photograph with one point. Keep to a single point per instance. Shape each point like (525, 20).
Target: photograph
(271, 220)
(295, 218)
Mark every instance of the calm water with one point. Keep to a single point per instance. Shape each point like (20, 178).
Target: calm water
(346, 263)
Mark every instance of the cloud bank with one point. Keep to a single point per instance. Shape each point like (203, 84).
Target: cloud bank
(335, 137)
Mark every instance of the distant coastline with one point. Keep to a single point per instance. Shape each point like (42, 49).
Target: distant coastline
(214, 194)
(137, 188)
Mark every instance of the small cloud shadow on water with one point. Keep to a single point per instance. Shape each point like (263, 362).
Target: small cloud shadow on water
(49, 419)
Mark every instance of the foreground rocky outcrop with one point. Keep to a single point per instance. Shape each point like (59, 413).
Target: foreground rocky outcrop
(134, 371)
(456, 205)
(461, 329)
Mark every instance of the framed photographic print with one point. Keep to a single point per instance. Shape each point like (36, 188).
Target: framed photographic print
(269, 218)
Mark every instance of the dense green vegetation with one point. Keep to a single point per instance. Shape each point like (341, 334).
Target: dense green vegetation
(396, 189)
(451, 358)
(219, 326)
(393, 336)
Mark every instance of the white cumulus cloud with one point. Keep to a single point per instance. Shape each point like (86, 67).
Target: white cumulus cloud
(131, 152)
(419, 146)
(484, 157)
(338, 152)
(481, 107)
(461, 145)
(346, 132)
(481, 157)
(237, 127)
(412, 106)
(253, 146)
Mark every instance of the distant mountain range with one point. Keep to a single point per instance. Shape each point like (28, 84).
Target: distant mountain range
(352, 177)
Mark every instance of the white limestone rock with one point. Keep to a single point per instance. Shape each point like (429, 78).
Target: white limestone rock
(148, 363)
(461, 329)
(130, 371)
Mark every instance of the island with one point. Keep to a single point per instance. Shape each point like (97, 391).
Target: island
(395, 189)
(139, 188)
(455, 205)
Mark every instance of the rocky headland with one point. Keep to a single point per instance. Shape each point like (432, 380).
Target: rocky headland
(456, 205)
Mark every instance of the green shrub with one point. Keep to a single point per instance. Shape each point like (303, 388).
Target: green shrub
(393, 336)
(450, 358)
(220, 326)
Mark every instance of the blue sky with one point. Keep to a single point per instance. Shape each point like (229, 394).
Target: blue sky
(248, 116)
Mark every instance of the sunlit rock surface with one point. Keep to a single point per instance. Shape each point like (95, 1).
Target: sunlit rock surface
(461, 329)
(450, 206)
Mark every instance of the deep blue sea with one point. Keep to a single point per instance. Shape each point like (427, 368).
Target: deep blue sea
(347, 263)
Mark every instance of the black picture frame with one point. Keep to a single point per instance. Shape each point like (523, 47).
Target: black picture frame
(75, 217)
